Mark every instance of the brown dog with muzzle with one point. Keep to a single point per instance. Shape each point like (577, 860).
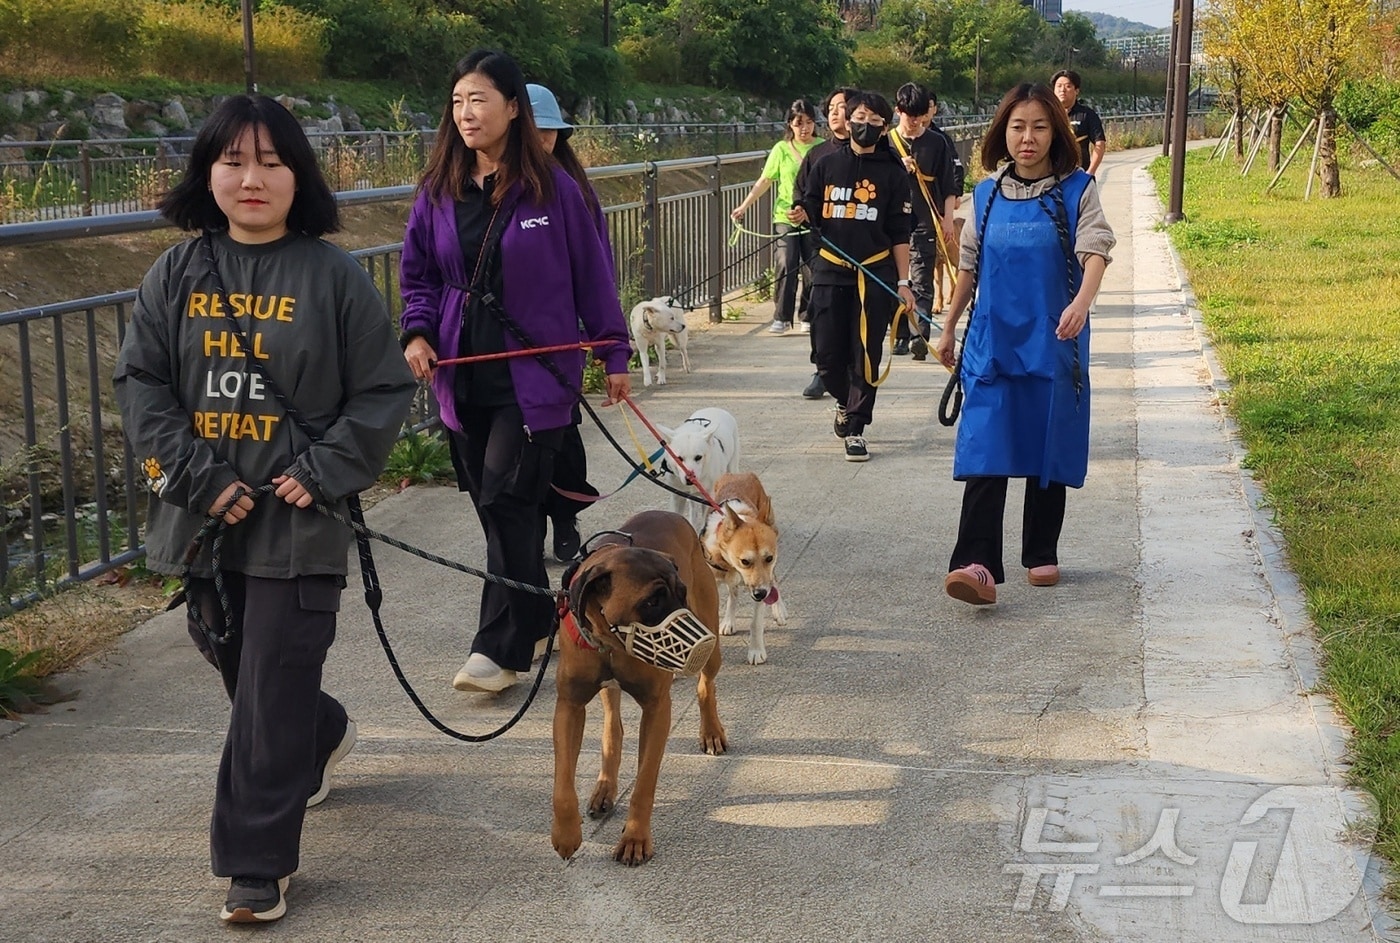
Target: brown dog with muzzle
(642, 574)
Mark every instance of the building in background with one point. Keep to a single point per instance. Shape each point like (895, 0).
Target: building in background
(1050, 10)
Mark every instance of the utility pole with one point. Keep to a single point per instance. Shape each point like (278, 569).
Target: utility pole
(1171, 61)
(1134, 109)
(1183, 105)
(607, 44)
(249, 80)
(977, 78)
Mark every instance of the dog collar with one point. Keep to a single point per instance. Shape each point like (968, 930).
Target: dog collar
(576, 632)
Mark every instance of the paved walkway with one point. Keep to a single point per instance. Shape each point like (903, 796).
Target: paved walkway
(1131, 756)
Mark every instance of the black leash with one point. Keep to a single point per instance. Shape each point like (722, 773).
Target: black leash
(950, 404)
(374, 595)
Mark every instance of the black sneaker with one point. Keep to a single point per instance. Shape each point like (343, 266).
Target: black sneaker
(566, 539)
(856, 450)
(919, 348)
(842, 425)
(901, 348)
(816, 389)
(255, 900)
(322, 778)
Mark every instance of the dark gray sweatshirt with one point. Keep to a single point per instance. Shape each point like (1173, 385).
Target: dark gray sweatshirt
(199, 417)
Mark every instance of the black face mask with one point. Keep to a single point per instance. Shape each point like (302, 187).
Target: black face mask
(865, 134)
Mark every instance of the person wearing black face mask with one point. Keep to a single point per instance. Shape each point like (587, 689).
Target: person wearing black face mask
(857, 200)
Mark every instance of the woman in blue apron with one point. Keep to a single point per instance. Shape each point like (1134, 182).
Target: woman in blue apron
(1035, 257)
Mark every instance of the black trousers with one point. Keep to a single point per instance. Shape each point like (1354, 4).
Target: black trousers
(507, 473)
(923, 255)
(790, 262)
(570, 474)
(980, 529)
(282, 724)
(840, 348)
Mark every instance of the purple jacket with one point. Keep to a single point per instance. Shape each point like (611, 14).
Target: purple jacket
(554, 273)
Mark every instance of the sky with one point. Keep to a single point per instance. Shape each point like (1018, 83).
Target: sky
(1151, 12)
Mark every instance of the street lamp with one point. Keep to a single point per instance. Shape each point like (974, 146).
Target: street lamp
(1072, 51)
(977, 79)
(1133, 60)
(249, 82)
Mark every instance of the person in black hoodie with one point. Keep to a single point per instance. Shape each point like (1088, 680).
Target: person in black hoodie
(857, 201)
(835, 109)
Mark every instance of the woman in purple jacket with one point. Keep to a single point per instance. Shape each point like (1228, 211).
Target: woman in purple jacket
(502, 254)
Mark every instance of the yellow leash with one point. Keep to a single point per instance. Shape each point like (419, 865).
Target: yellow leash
(835, 259)
(626, 421)
(739, 230)
(902, 146)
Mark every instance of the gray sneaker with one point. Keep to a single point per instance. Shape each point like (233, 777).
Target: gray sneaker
(779, 327)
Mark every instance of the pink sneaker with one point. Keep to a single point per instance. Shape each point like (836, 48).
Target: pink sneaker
(972, 584)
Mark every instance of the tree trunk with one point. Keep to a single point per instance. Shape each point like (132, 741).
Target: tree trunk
(1275, 136)
(1239, 117)
(1327, 168)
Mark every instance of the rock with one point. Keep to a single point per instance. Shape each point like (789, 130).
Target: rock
(152, 128)
(107, 115)
(68, 96)
(138, 111)
(174, 113)
(50, 130)
(13, 101)
(351, 119)
(331, 125)
(14, 159)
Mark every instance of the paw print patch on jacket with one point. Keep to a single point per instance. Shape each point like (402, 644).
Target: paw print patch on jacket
(865, 191)
(155, 475)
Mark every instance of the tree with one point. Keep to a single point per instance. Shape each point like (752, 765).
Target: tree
(1303, 49)
(1074, 42)
(943, 35)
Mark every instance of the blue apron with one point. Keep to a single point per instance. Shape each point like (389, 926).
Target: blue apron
(1022, 415)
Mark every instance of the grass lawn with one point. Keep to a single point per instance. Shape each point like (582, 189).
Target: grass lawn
(1302, 300)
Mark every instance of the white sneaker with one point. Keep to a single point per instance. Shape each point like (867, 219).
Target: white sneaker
(779, 327)
(482, 674)
(804, 327)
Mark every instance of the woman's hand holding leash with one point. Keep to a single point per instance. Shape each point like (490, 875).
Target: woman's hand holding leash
(232, 511)
(619, 388)
(421, 357)
(292, 491)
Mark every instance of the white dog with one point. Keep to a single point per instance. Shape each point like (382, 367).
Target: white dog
(708, 444)
(652, 322)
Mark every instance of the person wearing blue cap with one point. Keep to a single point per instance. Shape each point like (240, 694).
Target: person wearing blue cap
(571, 464)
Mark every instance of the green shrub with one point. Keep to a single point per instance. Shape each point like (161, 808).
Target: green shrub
(18, 686)
(651, 59)
(419, 457)
(70, 37)
(884, 69)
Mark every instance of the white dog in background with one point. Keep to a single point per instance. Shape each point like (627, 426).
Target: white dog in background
(708, 444)
(652, 322)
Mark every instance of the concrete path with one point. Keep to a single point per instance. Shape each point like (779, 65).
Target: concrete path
(1130, 756)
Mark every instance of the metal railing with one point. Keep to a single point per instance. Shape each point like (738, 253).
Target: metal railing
(73, 501)
(48, 180)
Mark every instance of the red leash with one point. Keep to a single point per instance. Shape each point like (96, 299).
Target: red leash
(690, 476)
(506, 354)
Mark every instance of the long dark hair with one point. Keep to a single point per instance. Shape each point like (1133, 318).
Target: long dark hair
(564, 155)
(801, 108)
(451, 163)
(190, 203)
(1064, 150)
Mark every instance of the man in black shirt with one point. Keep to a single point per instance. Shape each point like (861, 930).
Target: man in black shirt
(1088, 129)
(933, 193)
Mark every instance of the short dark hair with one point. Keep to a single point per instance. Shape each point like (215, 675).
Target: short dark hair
(451, 162)
(912, 99)
(1064, 150)
(801, 108)
(190, 203)
(873, 101)
(845, 92)
(1070, 74)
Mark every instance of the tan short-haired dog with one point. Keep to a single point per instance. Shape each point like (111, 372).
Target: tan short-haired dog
(660, 570)
(741, 543)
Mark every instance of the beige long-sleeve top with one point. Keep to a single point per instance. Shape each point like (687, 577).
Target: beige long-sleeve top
(1093, 236)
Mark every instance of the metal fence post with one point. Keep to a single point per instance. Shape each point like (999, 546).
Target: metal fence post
(715, 265)
(85, 177)
(650, 228)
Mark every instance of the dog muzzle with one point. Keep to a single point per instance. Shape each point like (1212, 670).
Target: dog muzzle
(681, 643)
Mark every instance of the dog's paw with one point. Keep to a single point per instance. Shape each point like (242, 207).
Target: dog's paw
(714, 742)
(566, 838)
(779, 611)
(757, 656)
(634, 848)
(726, 626)
(603, 800)
(661, 379)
